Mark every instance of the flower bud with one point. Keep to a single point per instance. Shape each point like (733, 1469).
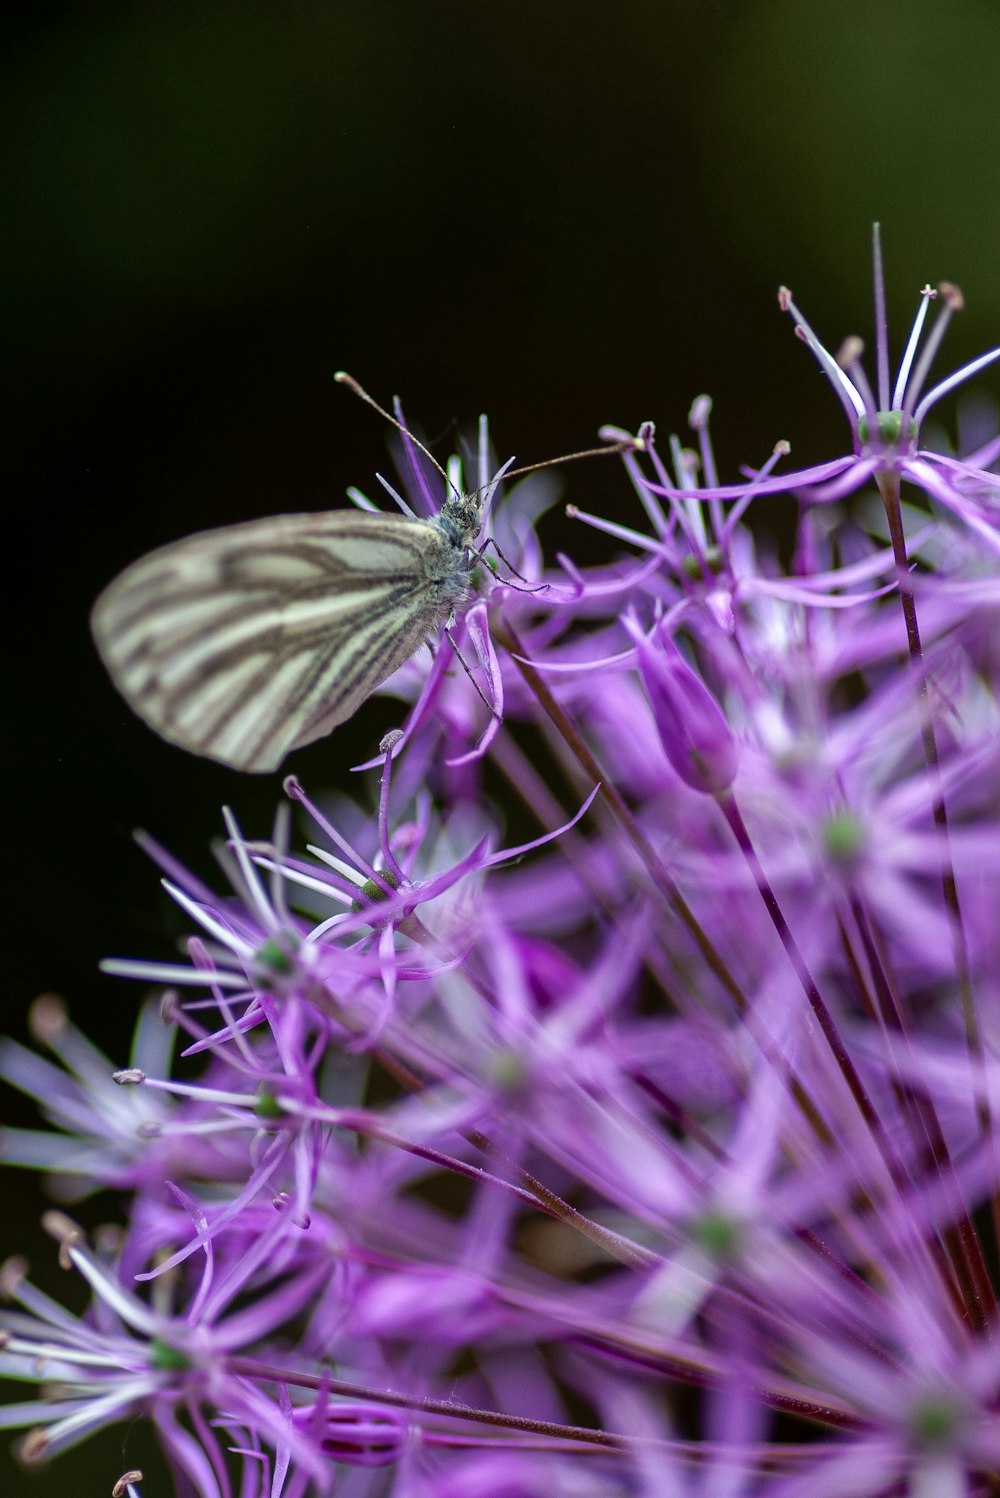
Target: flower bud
(360, 1435)
(695, 736)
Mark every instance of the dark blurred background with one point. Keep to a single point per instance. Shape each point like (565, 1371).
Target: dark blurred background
(560, 214)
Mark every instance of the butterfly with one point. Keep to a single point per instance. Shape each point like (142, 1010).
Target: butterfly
(247, 642)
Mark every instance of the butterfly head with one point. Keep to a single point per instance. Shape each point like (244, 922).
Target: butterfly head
(461, 518)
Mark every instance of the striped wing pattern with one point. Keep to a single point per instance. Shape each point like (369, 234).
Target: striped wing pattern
(246, 642)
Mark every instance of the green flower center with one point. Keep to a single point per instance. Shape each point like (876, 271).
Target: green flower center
(167, 1359)
(720, 1236)
(508, 1071)
(843, 837)
(936, 1421)
(268, 1106)
(371, 892)
(704, 567)
(890, 428)
(273, 957)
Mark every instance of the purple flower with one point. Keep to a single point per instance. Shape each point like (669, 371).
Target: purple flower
(606, 1104)
(885, 424)
(100, 1136)
(134, 1357)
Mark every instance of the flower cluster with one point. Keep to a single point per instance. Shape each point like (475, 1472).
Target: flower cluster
(611, 1108)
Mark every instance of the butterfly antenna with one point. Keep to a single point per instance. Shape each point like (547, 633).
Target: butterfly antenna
(625, 445)
(637, 444)
(343, 378)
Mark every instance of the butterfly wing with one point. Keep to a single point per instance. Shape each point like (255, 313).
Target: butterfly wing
(244, 643)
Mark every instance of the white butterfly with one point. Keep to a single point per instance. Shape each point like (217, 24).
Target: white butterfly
(247, 642)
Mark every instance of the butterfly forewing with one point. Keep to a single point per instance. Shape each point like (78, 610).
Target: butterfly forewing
(246, 642)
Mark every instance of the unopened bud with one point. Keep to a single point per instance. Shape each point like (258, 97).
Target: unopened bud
(695, 736)
(361, 1435)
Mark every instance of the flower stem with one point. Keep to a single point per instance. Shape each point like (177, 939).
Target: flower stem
(571, 736)
(889, 489)
(972, 1293)
(505, 635)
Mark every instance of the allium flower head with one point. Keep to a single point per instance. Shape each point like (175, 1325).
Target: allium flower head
(886, 421)
(136, 1357)
(604, 1104)
(886, 427)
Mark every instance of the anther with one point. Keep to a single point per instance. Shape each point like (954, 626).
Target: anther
(34, 1447)
(12, 1272)
(170, 1007)
(47, 1017)
(66, 1232)
(129, 1076)
(701, 410)
(850, 351)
